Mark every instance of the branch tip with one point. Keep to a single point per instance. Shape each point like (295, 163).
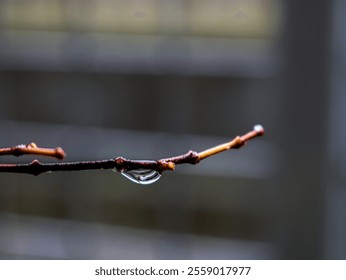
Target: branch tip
(59, 153)
(259, 128)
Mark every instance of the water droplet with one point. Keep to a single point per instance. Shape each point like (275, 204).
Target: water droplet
(258, 127)
(142, 176)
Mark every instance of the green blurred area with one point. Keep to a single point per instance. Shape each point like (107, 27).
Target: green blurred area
(194, 18)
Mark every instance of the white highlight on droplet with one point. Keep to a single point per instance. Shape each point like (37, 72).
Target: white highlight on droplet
(258, 127)
(142, 176)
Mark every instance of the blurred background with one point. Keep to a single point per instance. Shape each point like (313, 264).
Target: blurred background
(147, 79)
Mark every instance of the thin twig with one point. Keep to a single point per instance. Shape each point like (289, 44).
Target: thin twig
(236, 143)
(34, 150)
(121, 164)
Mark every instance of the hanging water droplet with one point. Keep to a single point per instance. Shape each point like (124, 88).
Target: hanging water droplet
(142, 176)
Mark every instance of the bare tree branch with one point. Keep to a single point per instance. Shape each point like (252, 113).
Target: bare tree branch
(119, 163)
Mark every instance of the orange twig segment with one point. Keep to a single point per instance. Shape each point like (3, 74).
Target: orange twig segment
(33, 150)
(236, 143)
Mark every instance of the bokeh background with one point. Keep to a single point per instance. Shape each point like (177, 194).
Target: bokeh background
(153, 78)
